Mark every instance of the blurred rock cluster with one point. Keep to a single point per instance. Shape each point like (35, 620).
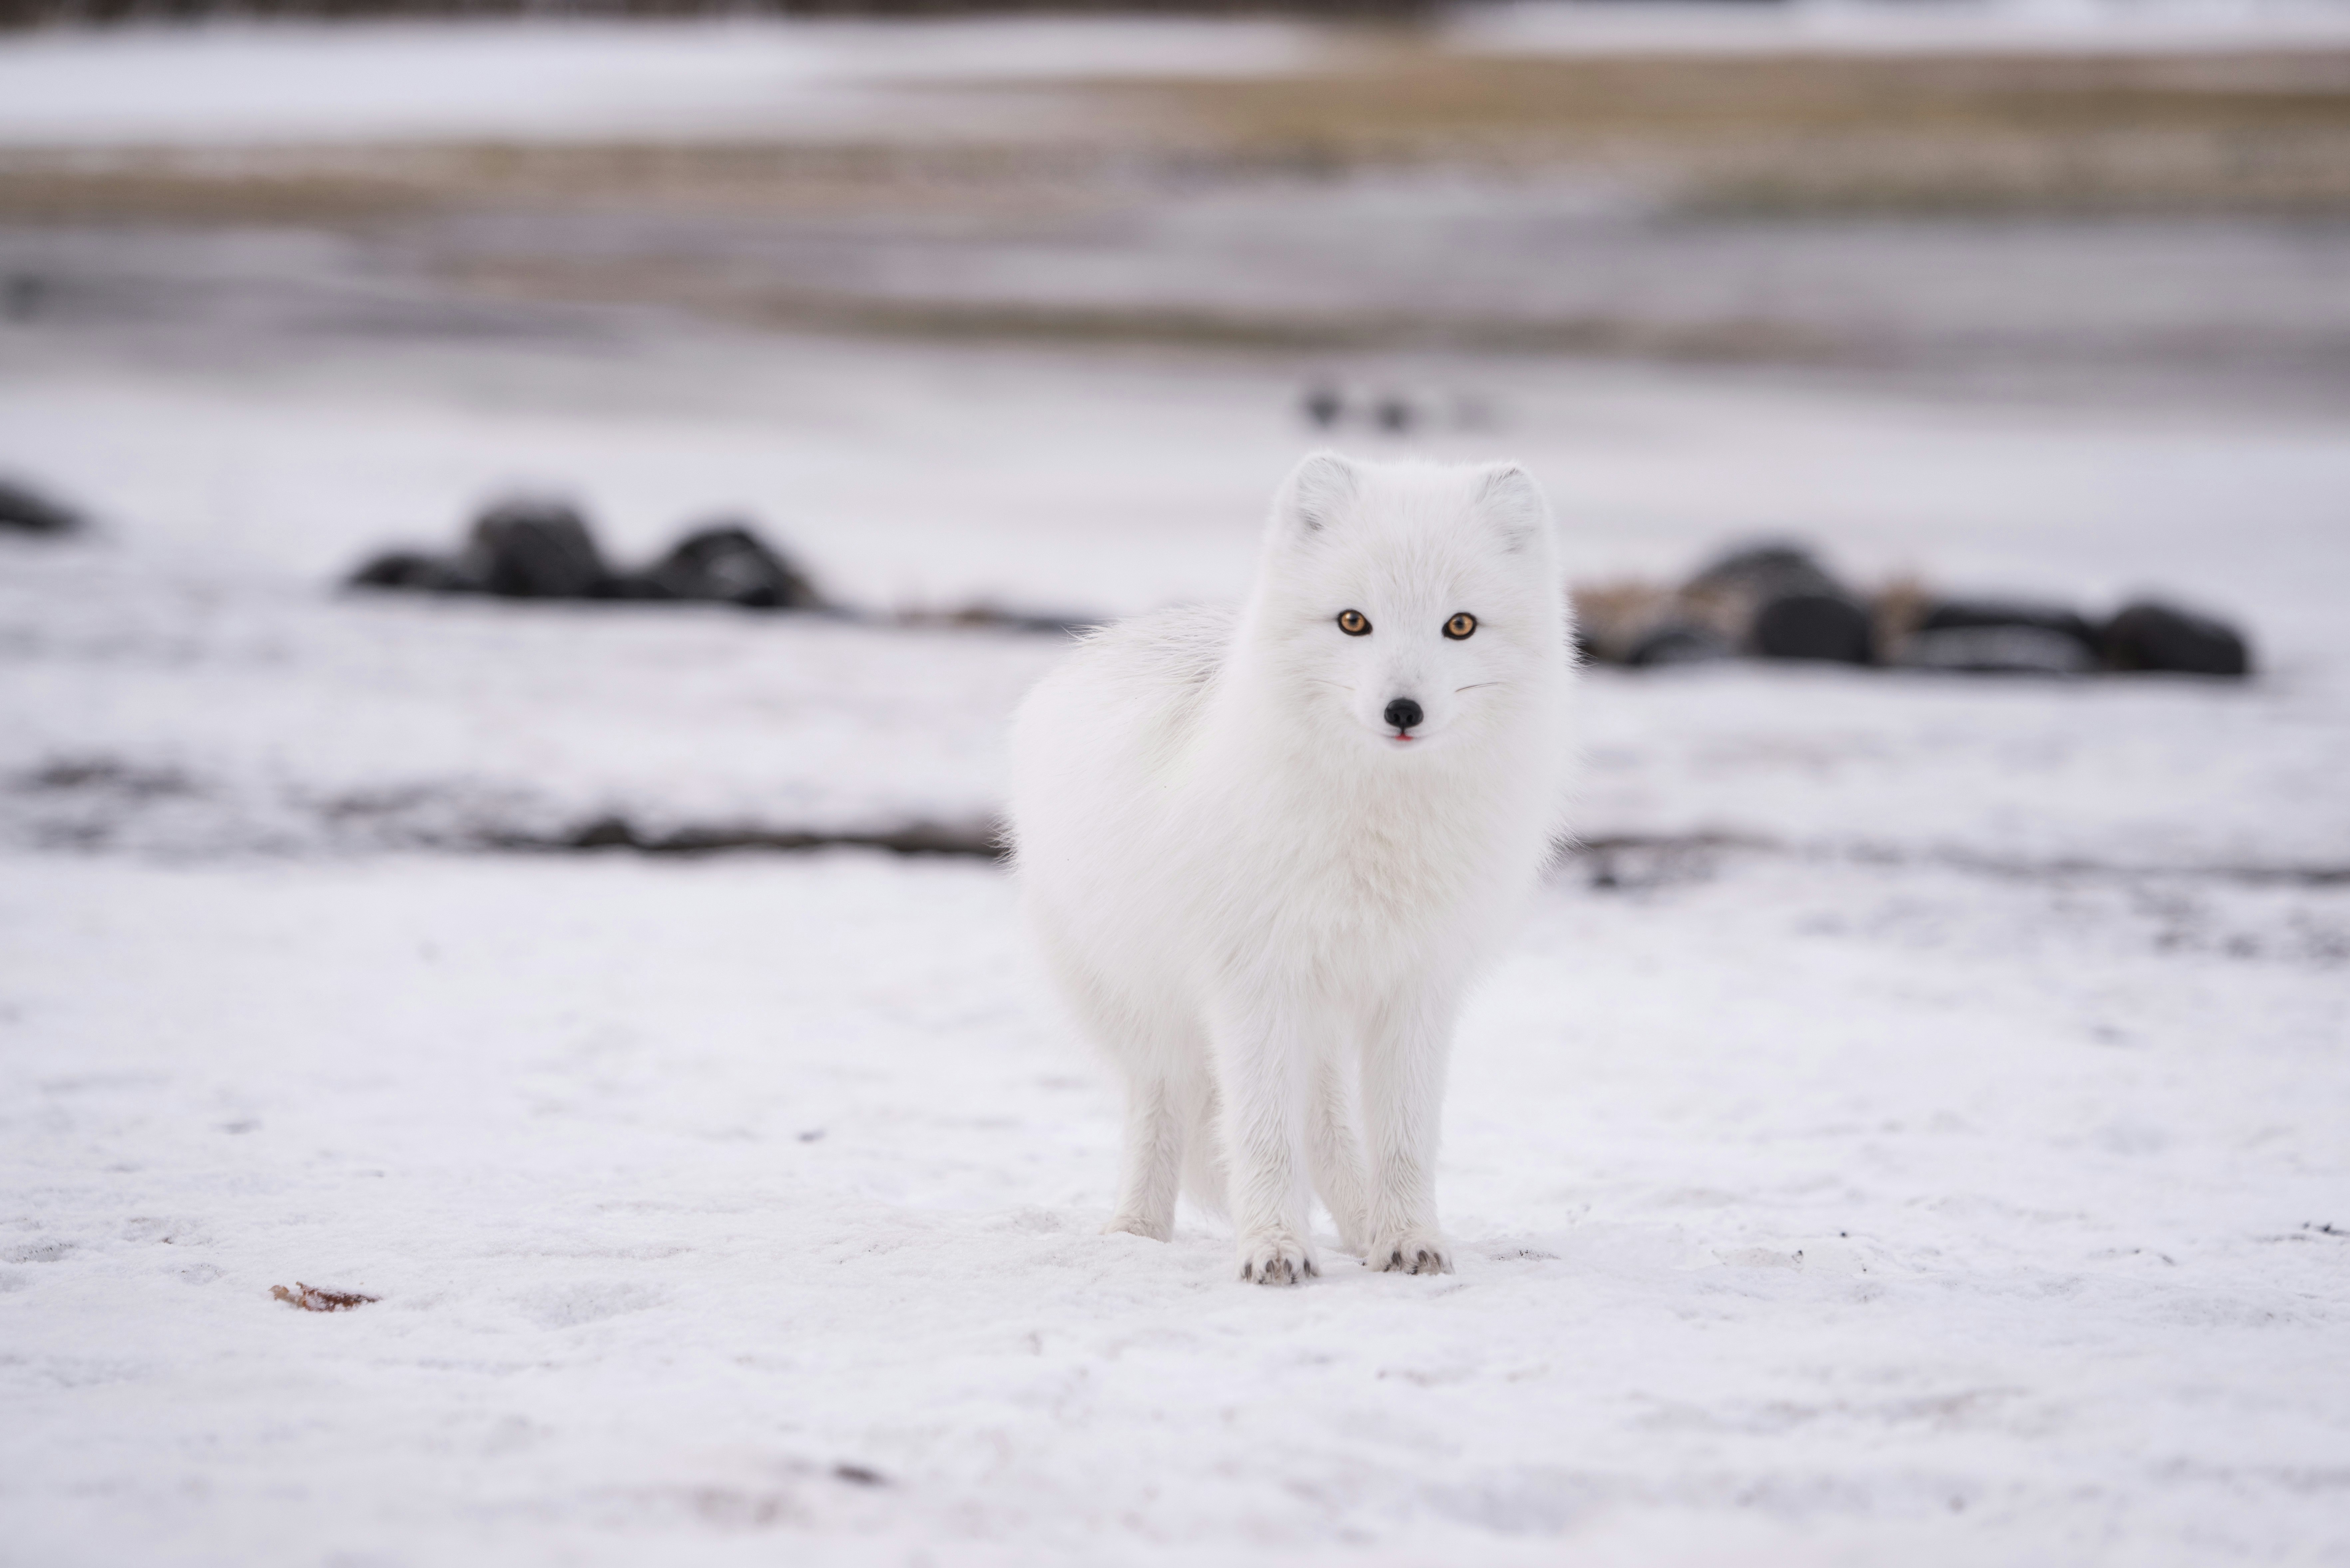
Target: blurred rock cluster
(1773, 599)
(26, 510)
(1764, 599)
(1391, 410)
(542, 549)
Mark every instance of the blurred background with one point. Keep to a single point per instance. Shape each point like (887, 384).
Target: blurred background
(483, 486)
(984, 323)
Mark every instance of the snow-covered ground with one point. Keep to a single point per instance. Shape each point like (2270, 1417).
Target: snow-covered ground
(280, 82)
(1807, 1215)
(313, 83)
(2040, 27)
(1921, 1138)
(184, 681)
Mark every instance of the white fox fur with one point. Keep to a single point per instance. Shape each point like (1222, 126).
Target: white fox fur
(1263, 899)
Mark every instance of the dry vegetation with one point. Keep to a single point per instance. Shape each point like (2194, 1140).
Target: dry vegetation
(1765, 134)
(351, 186)
(310, 1298)
(755, 232)
(1793, 133)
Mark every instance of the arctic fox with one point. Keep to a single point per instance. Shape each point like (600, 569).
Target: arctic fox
(1263, 854)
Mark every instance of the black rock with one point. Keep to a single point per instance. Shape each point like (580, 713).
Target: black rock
(1777, 601)
(1394, 415)
(726, 563)
(1957, 614)
(1323, 405)
(26, 511)
(531, 549)
(24, 295)
(1766, 569)
(1999, 649)
(1678, 642)
(1823, 626)
(415, 569)
(636, 586)
(2150, 636)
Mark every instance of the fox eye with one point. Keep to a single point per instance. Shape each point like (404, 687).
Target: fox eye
(1460, 626)
(1352, 623)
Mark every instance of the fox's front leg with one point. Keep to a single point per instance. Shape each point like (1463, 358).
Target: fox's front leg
(1405, 1052)
(1153, 1159)
(1262, 1065)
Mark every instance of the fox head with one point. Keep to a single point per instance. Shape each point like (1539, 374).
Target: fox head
(1408, 605)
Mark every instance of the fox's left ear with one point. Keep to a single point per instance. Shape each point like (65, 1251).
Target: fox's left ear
(1509, 497)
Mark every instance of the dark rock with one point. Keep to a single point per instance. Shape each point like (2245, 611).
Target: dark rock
(726, 563)
(1766, 569)
(1959, 615)
(2150, 636)
(1394, 415)
(1998, 650)
(1819, 626)
(607, 832)
(633, 585)
(1323, 405)
(416, 570)
(26, 511)
(1774, 599)
(1678, 642)
(531, 549)
(1999, 636)
(24, 295)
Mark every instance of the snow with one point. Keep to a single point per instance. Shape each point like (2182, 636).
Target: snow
(1805, 1212)
(2038, 27)
(194, 641)
(1915, 1135)
(279, 82)
(292, 83)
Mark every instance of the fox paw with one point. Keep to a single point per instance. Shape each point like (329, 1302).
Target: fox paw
(1417, 1253)
(1277, 1259)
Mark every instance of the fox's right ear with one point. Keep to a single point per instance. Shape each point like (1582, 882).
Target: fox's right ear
(1510, 496)
(1317, 493)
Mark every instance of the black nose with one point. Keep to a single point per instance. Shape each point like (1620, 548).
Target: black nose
(1403, 713)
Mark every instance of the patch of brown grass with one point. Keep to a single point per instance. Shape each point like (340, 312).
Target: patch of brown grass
(310, 1298)
(1775, 134)
(1818, 132)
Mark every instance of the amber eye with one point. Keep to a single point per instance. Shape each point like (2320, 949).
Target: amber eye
(1352, 623)
(1461, 626)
